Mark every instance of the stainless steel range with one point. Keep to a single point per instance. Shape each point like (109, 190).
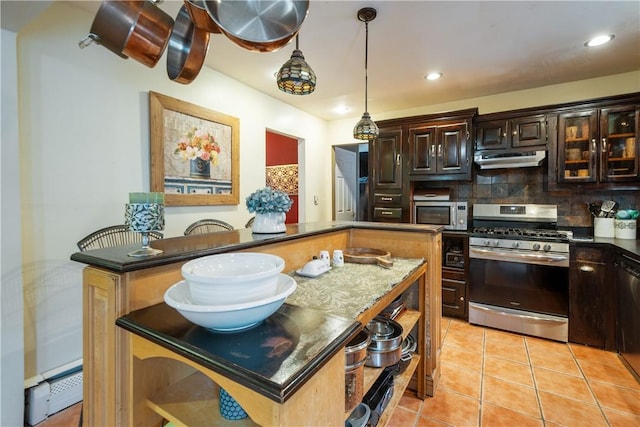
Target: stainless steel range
(519, 270)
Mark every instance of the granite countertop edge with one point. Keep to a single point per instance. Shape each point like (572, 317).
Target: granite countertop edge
(184, 248)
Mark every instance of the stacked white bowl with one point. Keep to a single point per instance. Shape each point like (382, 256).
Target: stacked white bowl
(232, 278)
(230, 292)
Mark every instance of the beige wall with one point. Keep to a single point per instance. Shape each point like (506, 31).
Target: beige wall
(340, 130)
(84, 145)
(11, 306)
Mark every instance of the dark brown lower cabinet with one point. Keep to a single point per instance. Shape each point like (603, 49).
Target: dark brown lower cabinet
(454, 293)
(591, 298)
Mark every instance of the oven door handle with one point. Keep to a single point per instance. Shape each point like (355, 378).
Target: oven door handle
(521, 316)
(516, 256)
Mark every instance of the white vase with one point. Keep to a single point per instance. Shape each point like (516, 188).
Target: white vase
(269, 223)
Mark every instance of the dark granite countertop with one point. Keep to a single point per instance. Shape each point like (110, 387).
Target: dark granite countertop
(629, 246)
(274, 358)
(184, 248)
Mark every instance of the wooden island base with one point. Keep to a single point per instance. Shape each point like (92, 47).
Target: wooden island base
(124, 374)
(192, 400)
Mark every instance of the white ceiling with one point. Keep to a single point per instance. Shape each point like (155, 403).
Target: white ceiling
(482, 47)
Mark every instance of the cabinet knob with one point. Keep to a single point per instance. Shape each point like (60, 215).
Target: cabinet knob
(586, 268)
(461, 298)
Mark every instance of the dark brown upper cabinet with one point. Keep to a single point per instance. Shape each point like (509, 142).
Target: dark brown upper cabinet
(389, 189)
(387, 160)
(440, 149)
(598, 145)
(511, 133)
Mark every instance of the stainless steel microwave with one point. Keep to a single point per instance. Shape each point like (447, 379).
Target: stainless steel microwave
(451, 215)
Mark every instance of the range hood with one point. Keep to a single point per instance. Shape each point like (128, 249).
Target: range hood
(520, 159)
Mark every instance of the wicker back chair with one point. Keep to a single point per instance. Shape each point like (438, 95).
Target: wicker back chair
(249, 223)
(207, 226)
(116, 235)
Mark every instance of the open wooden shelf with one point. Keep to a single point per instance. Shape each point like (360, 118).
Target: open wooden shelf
(408, 320)
(576, 162)
(192, 402)
(400, 384)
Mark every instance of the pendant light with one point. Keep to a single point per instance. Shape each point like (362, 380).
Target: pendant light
(366, 129)
(296, 76)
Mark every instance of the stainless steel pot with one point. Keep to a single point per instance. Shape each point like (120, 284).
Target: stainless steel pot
(380, 329)
(187, 49)
(200, 16)
(384, 358)
(384, 350)
(356, 350)
(136, 29)
(258, 25)
(390, 337)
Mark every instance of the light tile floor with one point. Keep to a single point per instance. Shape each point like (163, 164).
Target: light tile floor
(495, 378)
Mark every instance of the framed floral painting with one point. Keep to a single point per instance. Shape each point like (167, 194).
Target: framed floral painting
(194, 153)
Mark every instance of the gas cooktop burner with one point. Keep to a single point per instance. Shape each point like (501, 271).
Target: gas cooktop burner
(540, 233)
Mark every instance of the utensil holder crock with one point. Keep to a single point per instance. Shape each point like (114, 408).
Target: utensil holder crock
(603, 227)
(625, 228)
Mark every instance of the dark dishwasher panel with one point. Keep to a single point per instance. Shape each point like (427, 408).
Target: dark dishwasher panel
(628, 284)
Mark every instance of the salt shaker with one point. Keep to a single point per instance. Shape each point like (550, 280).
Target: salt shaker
(338, 258)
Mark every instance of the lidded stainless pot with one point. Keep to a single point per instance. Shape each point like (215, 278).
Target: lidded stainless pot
(385, 348)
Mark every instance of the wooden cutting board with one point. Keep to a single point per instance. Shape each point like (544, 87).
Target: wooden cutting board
(368, 256)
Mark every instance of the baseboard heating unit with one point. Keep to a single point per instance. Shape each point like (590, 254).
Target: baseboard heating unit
(53, 395)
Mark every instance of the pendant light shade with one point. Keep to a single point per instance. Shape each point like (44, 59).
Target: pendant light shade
(296, 76)
(366, 129)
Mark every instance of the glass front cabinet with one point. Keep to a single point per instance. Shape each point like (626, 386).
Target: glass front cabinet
(598, 145)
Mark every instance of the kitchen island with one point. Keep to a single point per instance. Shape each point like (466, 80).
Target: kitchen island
(116, 285)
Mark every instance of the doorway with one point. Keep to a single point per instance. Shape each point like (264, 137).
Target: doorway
(351, 182)
(281, 169)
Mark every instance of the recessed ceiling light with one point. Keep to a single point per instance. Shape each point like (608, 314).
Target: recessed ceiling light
(599, 40)
(433, 76)
(342, 109)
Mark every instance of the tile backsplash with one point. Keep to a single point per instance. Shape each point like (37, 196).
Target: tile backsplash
(527, 185)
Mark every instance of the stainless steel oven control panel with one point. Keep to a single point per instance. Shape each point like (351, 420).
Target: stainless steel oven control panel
(527, 245)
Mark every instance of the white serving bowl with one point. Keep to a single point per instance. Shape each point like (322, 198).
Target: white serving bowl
(232, 278)
(228, 318)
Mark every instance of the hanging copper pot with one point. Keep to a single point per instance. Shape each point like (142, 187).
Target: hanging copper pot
(200, 16)
(136, 29)
(258, 25)
(187, 49)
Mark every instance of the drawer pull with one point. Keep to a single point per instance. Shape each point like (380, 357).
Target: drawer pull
(586, 268)
(386, 199)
